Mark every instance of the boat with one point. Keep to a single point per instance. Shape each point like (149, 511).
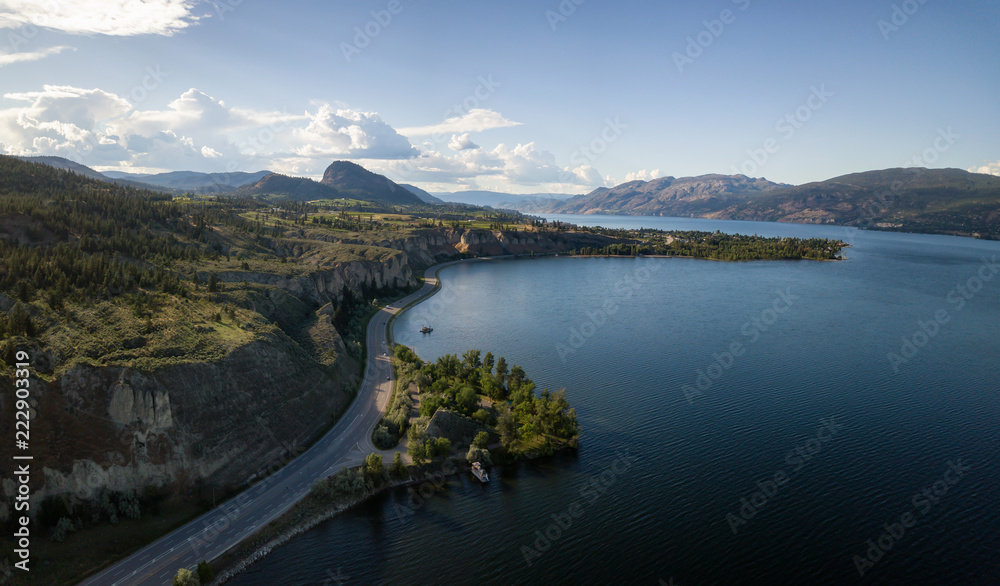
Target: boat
(479, 472)
(426, 330)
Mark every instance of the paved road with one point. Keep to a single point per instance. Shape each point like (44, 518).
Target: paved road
(345, 445)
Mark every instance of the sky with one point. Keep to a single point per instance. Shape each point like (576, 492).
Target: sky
(516, 96)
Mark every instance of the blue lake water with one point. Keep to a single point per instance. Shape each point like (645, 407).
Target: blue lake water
(743, 423)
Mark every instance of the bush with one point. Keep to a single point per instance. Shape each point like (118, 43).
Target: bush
(383, 439)
(480, 455)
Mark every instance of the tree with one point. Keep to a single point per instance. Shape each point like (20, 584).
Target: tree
(467, 400)
(479, 455)
(482, 440)
(502, 371)
(488, 362)
(398, 468)
(373, 467)
(186, 577)
(213, 283)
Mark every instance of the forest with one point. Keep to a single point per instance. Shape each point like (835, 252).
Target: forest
(715, 246)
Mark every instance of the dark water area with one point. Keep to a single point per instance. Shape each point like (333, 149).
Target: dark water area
(743, 423)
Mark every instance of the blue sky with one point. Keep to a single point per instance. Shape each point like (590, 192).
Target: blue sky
(514, 96)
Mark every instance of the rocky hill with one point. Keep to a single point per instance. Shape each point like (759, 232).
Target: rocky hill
(293, 188)
(356, 182)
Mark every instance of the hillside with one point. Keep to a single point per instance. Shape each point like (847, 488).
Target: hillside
(950, 201)
(194, 181)
(293, 188)
(666, 196)
(354, 181)
(68, 165)
(942, 201)
(423, 195)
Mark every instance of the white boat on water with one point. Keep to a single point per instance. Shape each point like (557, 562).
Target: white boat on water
(479, 472)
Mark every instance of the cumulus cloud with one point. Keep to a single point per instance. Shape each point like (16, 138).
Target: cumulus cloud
(461, 142)
(85, 17)
(643, 175)
(349, 133)
(199, 132)
(990, 168)
(11, 58)
(475, 120)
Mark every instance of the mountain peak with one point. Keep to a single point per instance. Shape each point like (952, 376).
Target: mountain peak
(353, 180)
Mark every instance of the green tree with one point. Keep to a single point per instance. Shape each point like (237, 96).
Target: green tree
(213, 283)
(488, 362)
(398, 468)
(482, 440)
(372, 468)
(186, 577)
(467, 400)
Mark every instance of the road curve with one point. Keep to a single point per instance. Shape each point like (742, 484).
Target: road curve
(345, 445)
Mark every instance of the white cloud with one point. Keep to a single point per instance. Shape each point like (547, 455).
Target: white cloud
(352, 134)
(11, 58)
(84, 17)
(475, 120)
(643, 175)
(990, 168)
(461, 142)
(199, 132)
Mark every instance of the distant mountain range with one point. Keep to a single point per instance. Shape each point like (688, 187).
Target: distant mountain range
(423, 195)
(949, 201)
(498, 199)
(194, 181)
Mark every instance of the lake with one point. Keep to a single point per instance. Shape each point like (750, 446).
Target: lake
(743, 423)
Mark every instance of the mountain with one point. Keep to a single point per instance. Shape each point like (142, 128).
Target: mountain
(498, 199)
(666, 196)
(423, 195)
(355, 182)
(948, 201)
(68, 165)
(296, 188)
(193, 180)
(913, 199)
